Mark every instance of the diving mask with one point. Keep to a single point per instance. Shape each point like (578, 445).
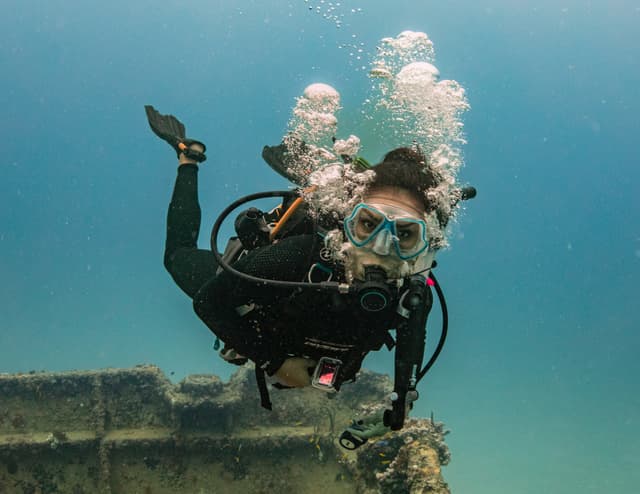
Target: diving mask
(383, 228)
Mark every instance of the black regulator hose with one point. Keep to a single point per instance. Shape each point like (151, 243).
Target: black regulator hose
(445, 327)
(321, 286)
(466, 193)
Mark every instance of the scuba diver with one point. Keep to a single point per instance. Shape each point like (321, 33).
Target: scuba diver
(278, 296)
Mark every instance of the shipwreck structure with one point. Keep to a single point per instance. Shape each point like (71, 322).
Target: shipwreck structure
(132, 431)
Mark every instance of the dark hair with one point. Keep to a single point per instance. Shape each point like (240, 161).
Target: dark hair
(407, 169)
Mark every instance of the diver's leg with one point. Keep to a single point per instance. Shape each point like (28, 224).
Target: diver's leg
(189, 266)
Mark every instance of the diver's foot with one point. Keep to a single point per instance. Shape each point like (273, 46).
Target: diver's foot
(195, 156)
(233, 357)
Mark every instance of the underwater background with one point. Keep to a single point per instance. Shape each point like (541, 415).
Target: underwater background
(538, 380)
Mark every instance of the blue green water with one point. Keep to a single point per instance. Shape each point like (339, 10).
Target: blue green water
(538, 378)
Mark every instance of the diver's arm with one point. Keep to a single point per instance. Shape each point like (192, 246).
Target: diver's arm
(217, 300)
(216, 303)
(288, 260)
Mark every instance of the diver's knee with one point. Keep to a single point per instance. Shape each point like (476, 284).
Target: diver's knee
(199, 304)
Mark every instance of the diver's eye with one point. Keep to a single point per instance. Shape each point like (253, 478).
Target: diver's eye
(364, 228)
(367, 225)
(408, 234)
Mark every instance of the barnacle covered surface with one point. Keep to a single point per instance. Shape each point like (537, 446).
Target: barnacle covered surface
(133, 431)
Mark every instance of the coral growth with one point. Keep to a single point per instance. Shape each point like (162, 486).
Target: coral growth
(408, 461)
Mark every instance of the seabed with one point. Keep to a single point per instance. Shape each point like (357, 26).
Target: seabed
(132, 431)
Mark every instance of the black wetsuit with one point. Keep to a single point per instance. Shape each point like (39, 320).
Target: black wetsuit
(279, 322)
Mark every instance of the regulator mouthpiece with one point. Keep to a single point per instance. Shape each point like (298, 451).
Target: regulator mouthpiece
(374, 293)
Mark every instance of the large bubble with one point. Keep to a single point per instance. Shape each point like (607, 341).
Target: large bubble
(314, 119)
(408, 105)
(312, 129)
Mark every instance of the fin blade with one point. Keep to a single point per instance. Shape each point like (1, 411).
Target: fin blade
(276, 157)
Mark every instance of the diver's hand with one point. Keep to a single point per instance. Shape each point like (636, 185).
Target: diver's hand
(170, 129)
(295, 372)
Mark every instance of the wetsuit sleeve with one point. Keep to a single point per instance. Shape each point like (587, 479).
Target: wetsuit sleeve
(252, 334)
(189, 266)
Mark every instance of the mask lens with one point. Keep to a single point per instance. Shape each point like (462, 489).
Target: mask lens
(365, 224)
(409, 234)
(373, 226)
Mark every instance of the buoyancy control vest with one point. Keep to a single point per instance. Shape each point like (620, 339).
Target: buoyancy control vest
(412, 301)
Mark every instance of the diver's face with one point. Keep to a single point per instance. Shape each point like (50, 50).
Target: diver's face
(359, 257)
(395, 196)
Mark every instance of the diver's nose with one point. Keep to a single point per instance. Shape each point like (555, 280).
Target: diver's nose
(382, 243)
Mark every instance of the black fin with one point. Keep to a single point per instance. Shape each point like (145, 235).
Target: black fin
(278, 158)
(166, 127)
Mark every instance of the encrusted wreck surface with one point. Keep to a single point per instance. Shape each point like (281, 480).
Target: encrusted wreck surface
(133, 431)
